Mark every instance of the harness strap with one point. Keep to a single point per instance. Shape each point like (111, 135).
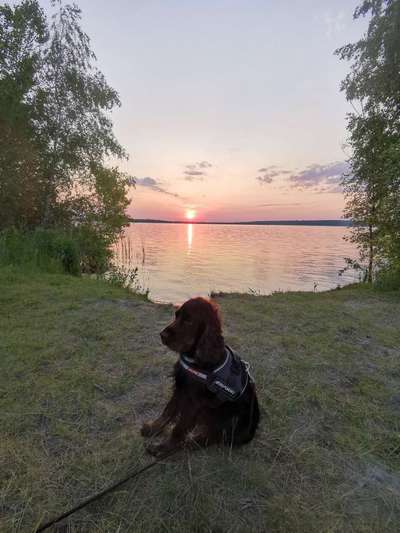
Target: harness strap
(217, 380)
(192, 370)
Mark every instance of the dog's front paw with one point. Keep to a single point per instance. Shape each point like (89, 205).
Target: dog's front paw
(147, 429)
(155, 449)
(158, 450)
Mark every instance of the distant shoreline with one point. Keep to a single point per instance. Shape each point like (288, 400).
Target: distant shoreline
(329, 223)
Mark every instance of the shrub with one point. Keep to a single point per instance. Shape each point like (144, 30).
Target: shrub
(57, 248)
(95, 253)
(388, 279)
(73, 252)
(47, 250)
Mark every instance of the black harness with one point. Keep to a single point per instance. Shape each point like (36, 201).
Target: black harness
(228, 382)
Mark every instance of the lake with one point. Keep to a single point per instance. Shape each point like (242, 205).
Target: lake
(177, 261)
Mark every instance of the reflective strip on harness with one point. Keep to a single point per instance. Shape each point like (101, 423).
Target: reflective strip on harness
(225, 387)
(193, 370)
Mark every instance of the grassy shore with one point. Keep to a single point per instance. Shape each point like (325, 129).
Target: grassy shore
(81, 367)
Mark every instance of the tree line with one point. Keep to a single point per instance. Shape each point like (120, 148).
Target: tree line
(55, 129)
(372, 185)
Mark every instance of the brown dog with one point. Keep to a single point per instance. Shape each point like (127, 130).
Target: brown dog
(214, 398)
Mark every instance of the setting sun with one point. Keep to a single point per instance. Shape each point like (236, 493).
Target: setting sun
(190, 214)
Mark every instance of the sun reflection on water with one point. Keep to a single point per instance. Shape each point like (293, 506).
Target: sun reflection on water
(189, 237)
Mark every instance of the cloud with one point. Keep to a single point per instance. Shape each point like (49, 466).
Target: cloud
(320, 178)
(267, 174)
(154, 185)
(196, 171)
(265, 179)
(204, 164)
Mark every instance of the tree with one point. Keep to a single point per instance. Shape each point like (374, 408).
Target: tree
(72, 101)
(22, 33)
(372, 188)
(58, 128)
(365, 188)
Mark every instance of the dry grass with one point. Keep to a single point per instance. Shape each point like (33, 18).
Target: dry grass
(81, 366)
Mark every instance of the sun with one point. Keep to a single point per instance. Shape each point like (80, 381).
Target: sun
(190, 214)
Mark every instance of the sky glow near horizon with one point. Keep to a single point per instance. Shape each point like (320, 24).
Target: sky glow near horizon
(231, 109)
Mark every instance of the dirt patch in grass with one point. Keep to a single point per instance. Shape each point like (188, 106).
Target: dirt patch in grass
(81, 367)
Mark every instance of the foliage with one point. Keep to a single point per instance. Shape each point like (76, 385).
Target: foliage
(56, 128)
(42, 250)
(76, 251)
(127, 278)
(121, 277)
(357, 266)
(95, 253)
(99, 202)
(22, 34)
(374, 77)
(372, 187)
(72, 101)
(388, 278)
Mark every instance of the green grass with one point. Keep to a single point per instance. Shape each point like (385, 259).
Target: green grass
(81, 367)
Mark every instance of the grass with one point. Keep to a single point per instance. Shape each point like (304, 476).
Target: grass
(81, 367)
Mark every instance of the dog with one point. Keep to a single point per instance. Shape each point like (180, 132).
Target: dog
(214, 398)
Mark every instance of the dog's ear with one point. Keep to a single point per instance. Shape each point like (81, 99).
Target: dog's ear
(210, 346)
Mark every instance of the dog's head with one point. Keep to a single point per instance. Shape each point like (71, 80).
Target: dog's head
(197, 331)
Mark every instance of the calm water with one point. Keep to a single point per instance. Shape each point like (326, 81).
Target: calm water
(177, 261)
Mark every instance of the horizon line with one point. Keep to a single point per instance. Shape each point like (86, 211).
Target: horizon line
(296, 222)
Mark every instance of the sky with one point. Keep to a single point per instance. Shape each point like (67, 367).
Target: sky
(230, 108)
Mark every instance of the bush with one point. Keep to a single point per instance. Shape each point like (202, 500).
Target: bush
(94, 250)
(59, 249)
(73, 252)
(46, 250)
(388, 279)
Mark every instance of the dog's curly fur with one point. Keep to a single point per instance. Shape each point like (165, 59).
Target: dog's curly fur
(193, 409)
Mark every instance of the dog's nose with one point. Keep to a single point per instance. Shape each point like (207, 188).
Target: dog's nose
(163, 336)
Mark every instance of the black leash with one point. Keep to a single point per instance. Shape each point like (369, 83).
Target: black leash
(107, 490)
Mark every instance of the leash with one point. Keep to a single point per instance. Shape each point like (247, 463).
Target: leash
(107, 490)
